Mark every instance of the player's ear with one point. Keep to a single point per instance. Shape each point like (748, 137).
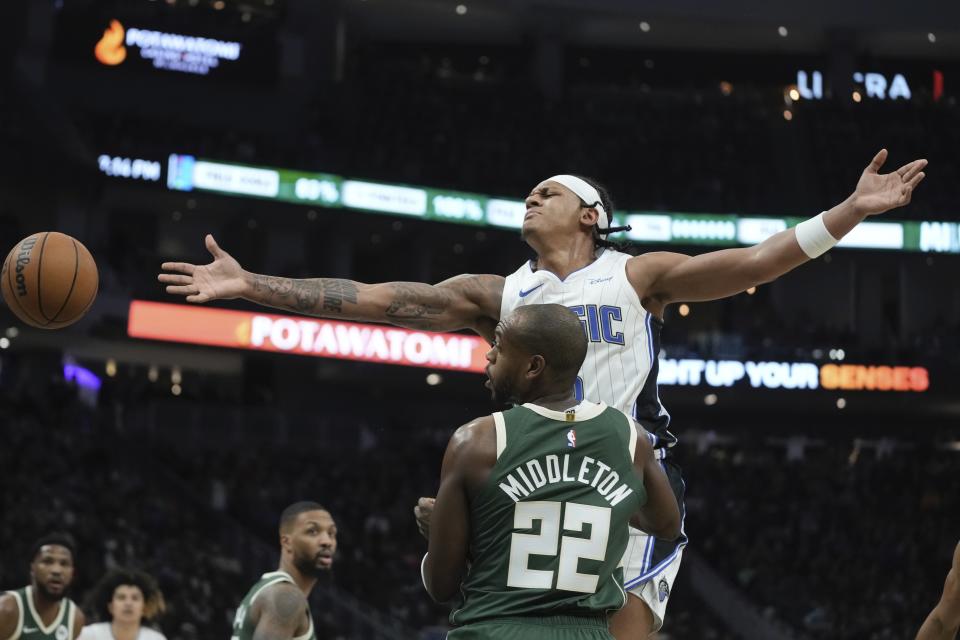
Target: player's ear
(535, 366)
(589, 216)
(285, 540)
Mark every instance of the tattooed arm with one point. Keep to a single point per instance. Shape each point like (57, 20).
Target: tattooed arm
(462, 302)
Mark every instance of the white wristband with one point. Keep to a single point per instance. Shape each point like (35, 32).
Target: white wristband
(813, 237)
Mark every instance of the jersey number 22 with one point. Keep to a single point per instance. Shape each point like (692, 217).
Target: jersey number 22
(549, 542)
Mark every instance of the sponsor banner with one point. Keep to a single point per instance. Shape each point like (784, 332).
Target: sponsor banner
(874, 235)
(391, 345)
(756, 230)
(648, 227)
(506, 213)
(231, 178)
(792, 375)
(383, 197)
(121, 39)
(186, 172)
(306, 336)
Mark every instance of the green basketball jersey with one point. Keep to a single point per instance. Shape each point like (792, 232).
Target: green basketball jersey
(243, 626)
(549, 526)
(31, 627)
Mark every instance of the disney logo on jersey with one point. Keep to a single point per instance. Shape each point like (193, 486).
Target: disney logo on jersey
(572, 438)
(600, 280)
(598, 322)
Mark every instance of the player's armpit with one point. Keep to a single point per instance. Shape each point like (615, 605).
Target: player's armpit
(282, 612)
(9, 614)
(660, 516)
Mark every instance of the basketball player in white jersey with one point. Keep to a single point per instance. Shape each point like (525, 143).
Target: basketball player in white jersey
(620, 298)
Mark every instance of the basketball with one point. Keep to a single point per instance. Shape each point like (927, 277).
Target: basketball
(49, 280)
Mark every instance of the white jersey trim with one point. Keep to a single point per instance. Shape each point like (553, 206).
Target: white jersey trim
(632, 426)
(47, 630)
(583, 411)
(274, 577)
(501, 426)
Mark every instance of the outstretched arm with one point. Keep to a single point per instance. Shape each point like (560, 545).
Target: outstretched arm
(662, 277)
(944, 621)
(462, 302)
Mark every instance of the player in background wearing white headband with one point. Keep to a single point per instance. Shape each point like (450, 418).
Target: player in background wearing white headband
(620, 299)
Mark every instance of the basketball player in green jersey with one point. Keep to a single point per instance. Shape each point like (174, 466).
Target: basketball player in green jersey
(944, 621)
(41, 611)
(276, 606)
(530, 522)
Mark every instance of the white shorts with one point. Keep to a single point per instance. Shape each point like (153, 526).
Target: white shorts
(649, 571)
(650, 565)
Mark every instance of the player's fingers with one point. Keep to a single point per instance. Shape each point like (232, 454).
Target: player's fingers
(916, 180)
(174, 278)
(908, 171)
(200, 297)
(182, 267)
(182, 290)
(426, 503)
(877, 161)
(213, 247)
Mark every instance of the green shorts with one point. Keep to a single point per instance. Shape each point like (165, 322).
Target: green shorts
(536, 628)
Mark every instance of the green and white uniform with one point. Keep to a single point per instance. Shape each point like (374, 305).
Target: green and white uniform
(243, 626)
(31, 627)
(549, 526)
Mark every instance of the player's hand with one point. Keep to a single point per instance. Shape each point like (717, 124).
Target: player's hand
(221, 279)
(878, 192)
(422, 513)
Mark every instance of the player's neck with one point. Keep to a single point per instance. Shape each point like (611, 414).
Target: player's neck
(46, 606)
(564, 256)
(305, 583)
(124, 630)
(560, 401)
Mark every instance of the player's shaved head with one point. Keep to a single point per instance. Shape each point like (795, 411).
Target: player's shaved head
(553, 332)
(289, 516)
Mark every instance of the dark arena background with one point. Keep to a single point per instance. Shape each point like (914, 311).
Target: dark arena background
(376, 140)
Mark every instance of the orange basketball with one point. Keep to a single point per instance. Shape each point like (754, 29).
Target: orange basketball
(49, 280)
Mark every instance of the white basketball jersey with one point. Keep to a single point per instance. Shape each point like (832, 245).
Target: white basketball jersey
(623, 338)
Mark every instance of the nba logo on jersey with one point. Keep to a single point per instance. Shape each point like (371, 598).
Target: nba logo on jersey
(61, 633)
(571, 438)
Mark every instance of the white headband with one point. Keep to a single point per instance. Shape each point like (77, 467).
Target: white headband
(586, 192)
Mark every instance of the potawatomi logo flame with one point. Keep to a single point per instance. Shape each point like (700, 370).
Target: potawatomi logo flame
(110, 50)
